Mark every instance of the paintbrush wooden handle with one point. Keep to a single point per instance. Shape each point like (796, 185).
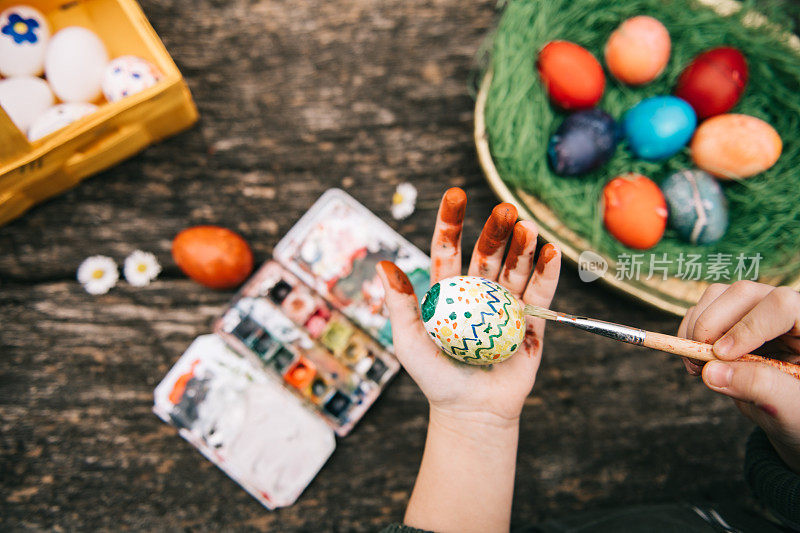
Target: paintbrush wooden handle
(703, 352)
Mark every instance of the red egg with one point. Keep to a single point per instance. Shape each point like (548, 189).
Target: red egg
(638, 51)
(714, 81)
(212, 256)
(634, 210)
(571, 75)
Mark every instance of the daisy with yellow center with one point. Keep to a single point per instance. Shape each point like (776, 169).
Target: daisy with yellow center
(404, 201)
(141, 268)
(98, 274)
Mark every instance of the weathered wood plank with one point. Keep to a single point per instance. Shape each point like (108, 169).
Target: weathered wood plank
(297, 97)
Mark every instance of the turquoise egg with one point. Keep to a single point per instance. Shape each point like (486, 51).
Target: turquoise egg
(697, 206)
(658, 127)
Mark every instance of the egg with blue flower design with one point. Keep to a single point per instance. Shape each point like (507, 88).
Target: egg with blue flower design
(698, 209)
(24, 34)
(473, 320)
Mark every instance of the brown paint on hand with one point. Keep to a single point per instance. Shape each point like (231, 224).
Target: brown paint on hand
(545, 256)
(397, 279)
(520, 240)
(451, 213)
(497, 229)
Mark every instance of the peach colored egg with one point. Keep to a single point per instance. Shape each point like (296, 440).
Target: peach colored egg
(213, 256)
(638, 50)
(734, 146)
(634, 210)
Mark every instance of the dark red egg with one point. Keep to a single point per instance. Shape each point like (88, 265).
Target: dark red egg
(714, 81)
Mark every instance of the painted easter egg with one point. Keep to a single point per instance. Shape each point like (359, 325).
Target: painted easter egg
(584, 141)
(127, 75)
(57, 117)
(473, 319)
(74, 64)
(638, 50)
(714, 81)
(213, 256)
(658, 127)
(634, 211)
(24, 34)
(571, 75)
(735, 146)
(697, 206)
(24, 98)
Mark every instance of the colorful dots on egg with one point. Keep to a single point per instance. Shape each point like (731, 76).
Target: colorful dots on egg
(474, 320)
(128, 75)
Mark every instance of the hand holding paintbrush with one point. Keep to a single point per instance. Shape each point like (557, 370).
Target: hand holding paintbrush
(666, 343)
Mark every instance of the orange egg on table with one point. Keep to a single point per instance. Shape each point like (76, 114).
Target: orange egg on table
(213, 256)
(638, 50)
(634, 210)
(571, 75)
(733, 146)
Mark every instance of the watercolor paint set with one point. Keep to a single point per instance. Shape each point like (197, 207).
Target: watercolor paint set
(299, 356)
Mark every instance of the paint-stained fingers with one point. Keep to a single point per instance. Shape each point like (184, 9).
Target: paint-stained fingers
(487, 257)
(407, 327)
(542, 285)
(727, 309)
(446, 243)
(519, 260)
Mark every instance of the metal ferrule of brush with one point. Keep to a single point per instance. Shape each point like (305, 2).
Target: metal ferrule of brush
(606, 329)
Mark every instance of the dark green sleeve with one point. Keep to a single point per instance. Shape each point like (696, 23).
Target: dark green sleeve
(400, 528)
(777, 487)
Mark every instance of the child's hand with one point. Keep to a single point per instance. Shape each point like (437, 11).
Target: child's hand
(484, 394)
(738, 319)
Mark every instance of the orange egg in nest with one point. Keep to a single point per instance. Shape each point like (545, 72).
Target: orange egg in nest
(634, 211)
(638, 50)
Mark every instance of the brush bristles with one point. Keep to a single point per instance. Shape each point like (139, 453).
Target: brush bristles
(540, 312)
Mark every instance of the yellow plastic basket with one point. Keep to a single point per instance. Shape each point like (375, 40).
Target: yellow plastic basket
(31, 172)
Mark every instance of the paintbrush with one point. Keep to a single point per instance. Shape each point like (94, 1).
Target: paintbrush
(659, 341)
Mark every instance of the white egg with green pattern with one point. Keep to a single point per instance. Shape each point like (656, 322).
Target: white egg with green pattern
(474, 320)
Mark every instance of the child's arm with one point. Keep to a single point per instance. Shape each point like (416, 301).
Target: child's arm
(466, 479)
(738, 319)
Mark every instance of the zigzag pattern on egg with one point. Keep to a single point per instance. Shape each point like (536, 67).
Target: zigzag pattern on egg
(473, 319)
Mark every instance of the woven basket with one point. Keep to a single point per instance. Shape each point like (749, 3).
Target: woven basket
(673, 295)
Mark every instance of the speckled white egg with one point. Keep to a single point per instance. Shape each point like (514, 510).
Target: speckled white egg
(24, 34)
(127, 75)
(58, 117)
(25, 98)
(473, 319)
(74, 64)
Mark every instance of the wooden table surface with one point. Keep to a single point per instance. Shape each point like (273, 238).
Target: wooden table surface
(295, 98)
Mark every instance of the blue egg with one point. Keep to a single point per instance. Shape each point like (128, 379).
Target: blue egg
(658, 127)
(583, 142)
(698, 209)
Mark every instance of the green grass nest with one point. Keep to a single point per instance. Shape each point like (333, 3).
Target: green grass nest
(764, 210)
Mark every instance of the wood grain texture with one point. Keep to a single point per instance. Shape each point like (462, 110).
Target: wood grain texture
(297, 97)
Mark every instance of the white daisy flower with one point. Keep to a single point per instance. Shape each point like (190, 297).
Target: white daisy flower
(141, 268)
(404, 201)
(98, 274)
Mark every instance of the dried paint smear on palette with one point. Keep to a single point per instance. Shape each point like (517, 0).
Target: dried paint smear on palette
(335, 247)
(255, 432)
(299, 338)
